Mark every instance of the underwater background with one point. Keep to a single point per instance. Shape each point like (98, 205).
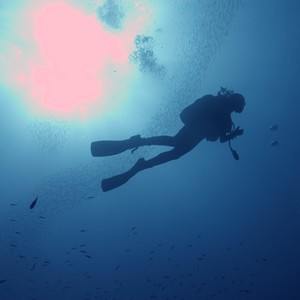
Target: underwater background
(201, 227)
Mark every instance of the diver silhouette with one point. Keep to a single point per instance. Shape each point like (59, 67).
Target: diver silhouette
(207, 118)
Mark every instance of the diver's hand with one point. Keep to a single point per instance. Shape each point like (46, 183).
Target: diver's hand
(238, 131)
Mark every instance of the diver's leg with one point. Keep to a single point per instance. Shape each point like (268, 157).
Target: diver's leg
(159, 159)
(142, 164)
(183, 142)
(107, 148)
(118, 180)
(161, 140)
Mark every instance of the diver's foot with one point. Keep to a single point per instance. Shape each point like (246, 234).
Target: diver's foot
(136, 141)
(139, 165)
(135, 138)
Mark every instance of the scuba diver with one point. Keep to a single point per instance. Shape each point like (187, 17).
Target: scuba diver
(207, 118)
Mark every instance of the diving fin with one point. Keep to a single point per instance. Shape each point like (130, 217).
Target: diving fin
(115, 181)
(118, 180)
(107, 148)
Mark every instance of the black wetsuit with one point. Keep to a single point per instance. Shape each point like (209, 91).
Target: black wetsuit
(211, 122)
(207, 118)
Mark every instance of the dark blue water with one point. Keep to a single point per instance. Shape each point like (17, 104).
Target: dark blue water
(201, 227)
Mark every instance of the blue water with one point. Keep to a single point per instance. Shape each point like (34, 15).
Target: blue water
(201, 227)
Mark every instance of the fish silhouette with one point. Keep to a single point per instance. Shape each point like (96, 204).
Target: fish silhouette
(273, 127)
(33, 203)
(274, 143)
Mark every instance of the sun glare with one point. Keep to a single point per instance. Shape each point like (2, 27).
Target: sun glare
(75, 63)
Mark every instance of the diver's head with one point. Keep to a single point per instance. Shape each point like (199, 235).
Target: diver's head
(238, 102)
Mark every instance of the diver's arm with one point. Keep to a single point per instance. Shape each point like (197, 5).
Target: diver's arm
(233, 134)
(225, 137)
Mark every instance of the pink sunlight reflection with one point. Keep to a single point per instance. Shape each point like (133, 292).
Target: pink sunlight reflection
(70, 75)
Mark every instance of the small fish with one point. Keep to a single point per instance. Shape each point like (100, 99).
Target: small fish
(42, 217)
(13, 245)
(82, 251)
(117, 267)
(13, 204)
(33, 203)
(88, 256)
(32, 267)
(90, 197)
(83, 230)
(3, 280)
(133, 228)
(273, 127)
(274, 143)
(13, 220)
(47, 262)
